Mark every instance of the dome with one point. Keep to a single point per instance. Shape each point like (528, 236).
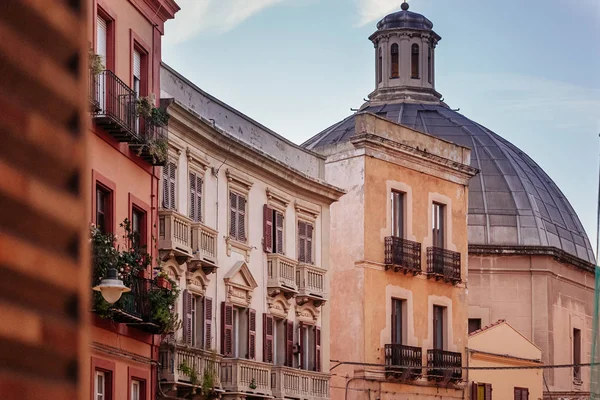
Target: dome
(405, 19)
(512, 201)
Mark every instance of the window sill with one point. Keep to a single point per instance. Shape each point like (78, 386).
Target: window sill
(239, 247)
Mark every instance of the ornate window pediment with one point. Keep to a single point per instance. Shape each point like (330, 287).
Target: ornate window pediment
(240, 284)
(196, 282)
(278, 306)
(307, 314)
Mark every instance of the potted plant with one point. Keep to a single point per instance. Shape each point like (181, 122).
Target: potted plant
(163, 281)
(95, 62)
(144, 105)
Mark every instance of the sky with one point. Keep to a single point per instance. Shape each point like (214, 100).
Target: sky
(528, 70)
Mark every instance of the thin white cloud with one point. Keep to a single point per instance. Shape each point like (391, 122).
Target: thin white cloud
(211, 15)
(371, 10)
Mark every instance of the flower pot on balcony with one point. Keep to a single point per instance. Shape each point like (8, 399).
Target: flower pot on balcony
(163, 283)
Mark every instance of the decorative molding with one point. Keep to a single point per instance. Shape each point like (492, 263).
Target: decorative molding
(195, 158)
(239, 247)
(307, 313)
(278, 306)
(277, 200)
(196, 282)
(240, 284)
(238, 181)
(305, 209)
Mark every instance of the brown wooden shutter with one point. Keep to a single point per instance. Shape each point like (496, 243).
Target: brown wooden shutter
(488, 391)
(187, 317)
(289, 343)
(518, 394)
(474, 391)
(172, 181)
(227, 329)
(208, 322)
(241, 218)
(165, 179)
(279, 231)
(302, 343)
(301, 241)
(199, 184)
(192, 196)
(251, 334)
(317, 349)
(233, 215)
(268, 338)
(526, 394)
(267, 229)
(309, 244)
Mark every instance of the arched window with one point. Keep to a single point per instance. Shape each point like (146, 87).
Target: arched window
(429, 65)
(380, 67)
(415, 61)
(395, 66)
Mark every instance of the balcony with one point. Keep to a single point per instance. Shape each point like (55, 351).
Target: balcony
(444, 365)
(281, 275)
(174, 358)
(443, 264)
(204, 248)
(174, 235)
(113, 106)
(402, 255)
(299, 384)
(151, 144)
(311, 284)
(246, 376)
(403, 362)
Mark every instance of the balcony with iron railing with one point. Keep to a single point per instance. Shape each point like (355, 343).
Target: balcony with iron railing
(204, 247)
(444, 365)
(281, 273)
(443, 265)
(403, 362)
(402, 255)
(251, 377)
(174, 234)
(311, 283)
(299, 384)
(189, 365)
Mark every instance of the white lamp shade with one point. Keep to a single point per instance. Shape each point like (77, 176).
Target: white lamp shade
(111, 289)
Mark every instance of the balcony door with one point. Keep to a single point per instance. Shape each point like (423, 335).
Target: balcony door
(397, 199)
(137, 80)
(102, 51)
(438, 327)
(437, 219)
(397, 323)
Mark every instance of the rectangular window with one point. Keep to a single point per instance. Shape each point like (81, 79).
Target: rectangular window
(273, 237)
(237, 216)
(481, 391)
(438, 327)
(305, 242)
(100, 385)
(577, 354)
(474, 324)
(521, 393)
(196, 184)
(310, 347)
(279, 341)
(138, 227)
(135, 390)
(397, 214)
(169, 185)
(437, 220)
(137, 72)
(398, 323)
(103, 208)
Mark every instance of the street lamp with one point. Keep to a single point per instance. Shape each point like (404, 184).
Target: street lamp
(111, 287)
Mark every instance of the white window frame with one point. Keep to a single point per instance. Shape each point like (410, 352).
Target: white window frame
(135, 384)
(100, 394)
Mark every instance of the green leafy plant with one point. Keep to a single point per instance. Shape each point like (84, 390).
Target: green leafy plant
(159, 117)
(190, 372)
(253, 384)
(95, 62)
(144, 105)
(209, 378)
(158, 148)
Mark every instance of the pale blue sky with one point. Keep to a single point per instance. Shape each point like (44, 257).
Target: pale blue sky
(526, 69)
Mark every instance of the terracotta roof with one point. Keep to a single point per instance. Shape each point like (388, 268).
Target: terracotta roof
(485, 328)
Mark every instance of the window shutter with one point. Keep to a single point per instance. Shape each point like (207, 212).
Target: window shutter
(309, 240)
(193, 196)
(101, 38)
(208, 323)
(165, 183)
(526, 394)
(251, 334)
(267, 338)
(267, 229)
(289, 343)
(241, 218)
(302, 343)
(474, 391)
(137, 64)
(279, 230)
(488, 391)
(301, 241)
(187, 317)
(317, 349)
(172, 180)
(233, 215)
(518, 394)
(227, 329)
(394, 316)
(199, 184)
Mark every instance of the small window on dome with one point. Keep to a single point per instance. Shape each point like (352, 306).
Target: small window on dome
(429, 65)
(380, 67)
(415, 61)
(395, 66)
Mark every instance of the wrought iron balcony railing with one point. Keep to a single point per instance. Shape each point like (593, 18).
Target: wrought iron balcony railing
(444, 365)
(443, 264)
(151, 143)
(403, 362)
(402, 255)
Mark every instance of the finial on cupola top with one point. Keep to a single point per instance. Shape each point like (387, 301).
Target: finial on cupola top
(404, 6)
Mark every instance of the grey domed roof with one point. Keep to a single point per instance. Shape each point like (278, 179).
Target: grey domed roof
(405, 19)
(512, 201)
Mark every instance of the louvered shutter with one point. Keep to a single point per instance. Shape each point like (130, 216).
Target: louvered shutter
(227, 329)
(309, 242)
(192, 196)
(301, 241)
(241, 219)
(187, 317)
(267, 229)
(251, 334)
(302, 341)
(233, 215)
(289, 343)
(473, 387)
(172, 182)
(208, 323)
(165, 183)
(518, 394)
(199, 184)
(279, 231)
(317, 349)
(488, 391)
(267, 338)
(101, 38)
(526, 394)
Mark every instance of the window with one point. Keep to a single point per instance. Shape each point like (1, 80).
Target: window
(380, 67)
(273, 238)
(414, 61)
(305, 242)
(102, 38)
(169, 185)
(100, 386)
(438, 327)
(474, 324)
(197, 320)
(135, 390)
(238, 333)
(137, 72)
(196, 197)
(398, 321)
(138, 227)
(521, 393)
(577, 354)
(481, 391)
(395, 65)
(310, 347)
(437, 220)
(397, 214)
(237, 216)
(429, 65)
(103, 208)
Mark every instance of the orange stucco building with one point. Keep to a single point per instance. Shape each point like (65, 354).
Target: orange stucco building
(124, 175)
